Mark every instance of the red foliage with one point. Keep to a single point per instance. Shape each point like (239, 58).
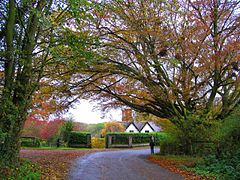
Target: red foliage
(41, 128)
(51, 129)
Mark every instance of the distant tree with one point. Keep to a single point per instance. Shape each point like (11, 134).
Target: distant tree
(66, 128)
(52, 129)
(43, 129)
(95, 129)
(112, 126)
(34, 127)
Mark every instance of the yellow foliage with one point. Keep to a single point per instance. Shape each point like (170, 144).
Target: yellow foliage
(98, 142)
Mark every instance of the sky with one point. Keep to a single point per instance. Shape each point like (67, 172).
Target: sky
(85, 112)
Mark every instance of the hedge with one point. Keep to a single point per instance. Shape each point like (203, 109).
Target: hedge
(30, 142)
(137, 138)
(79, 139)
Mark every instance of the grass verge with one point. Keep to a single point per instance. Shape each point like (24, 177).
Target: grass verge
(182, 165)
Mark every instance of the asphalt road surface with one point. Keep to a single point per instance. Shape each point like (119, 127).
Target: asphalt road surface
(119, 165)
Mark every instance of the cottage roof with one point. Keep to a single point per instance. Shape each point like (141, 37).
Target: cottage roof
(140, 125)
(128, 124)
(155, 127)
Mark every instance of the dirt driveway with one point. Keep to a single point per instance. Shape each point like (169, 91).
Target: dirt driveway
(119, 165)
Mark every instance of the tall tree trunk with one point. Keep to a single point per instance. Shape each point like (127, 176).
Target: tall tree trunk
(18, 87)
(11, 123)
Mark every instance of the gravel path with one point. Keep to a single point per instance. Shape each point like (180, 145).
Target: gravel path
(119, 165)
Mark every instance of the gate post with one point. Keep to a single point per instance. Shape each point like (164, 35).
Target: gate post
(129, 140)
(109, 141)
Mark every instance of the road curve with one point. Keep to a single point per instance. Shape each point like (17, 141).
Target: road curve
(119, 165)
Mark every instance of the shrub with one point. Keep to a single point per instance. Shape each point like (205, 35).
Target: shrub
(30, 142)
(98, 142)
(224, 163)
(171, 145)
(25, 170)
(120, 139)
(137, 138)
(192, 137)
(226, 168)
(65, 129)
(79, 139)
(228, 135)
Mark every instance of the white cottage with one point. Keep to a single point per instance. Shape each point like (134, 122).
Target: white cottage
(147, 127)
(132, 128)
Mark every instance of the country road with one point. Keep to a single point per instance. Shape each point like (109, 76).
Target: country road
(119, 165)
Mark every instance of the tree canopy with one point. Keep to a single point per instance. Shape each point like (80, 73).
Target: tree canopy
(176, 59)
(168, 59)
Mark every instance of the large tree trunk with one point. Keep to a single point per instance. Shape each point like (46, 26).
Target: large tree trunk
(19, 82)
(12, 118)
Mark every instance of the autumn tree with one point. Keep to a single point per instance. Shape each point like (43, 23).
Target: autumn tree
(176, 60)
(28, 30)
(43, 129)
(52, 129)
(34, 127)
(112, 126)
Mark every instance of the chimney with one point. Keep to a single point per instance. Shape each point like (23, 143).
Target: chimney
(127, 115)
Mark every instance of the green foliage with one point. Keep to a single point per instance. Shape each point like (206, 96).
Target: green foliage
(225, 168)
(120, 139)
(30, 142)
(224, 162)
(137, 138)
(192, 136)
(52, 141)
(79, 139)
(2, 136)
(66, 128)
(26, 170)
(228, 134)
(95, 129)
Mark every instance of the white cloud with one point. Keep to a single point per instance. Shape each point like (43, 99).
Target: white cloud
(85, 112)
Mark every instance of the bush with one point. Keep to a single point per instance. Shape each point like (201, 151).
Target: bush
(171, 145)
(137, 138)
(120, 139)
(226, 168)
(225, 162)
(79, 139)
(228, 134)
(30, 142)
(193, 136)
(26, 170)
(98, 142)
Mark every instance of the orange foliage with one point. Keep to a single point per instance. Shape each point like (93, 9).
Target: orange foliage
(112, 126)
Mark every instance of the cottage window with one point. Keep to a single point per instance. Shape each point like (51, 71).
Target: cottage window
(146, 131)
(131, 131)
